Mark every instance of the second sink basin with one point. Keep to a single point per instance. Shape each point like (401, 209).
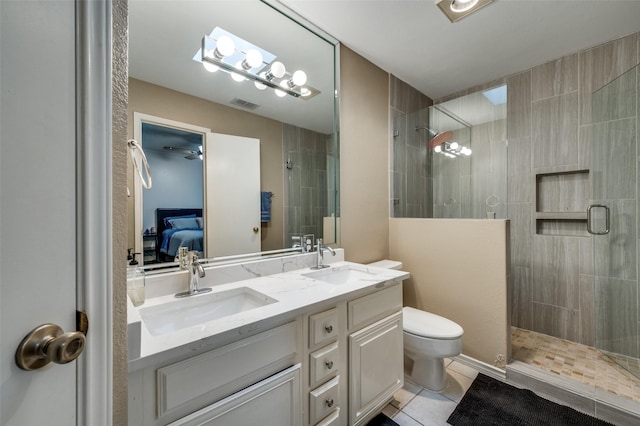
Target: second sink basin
(340, 275)
(181, 313)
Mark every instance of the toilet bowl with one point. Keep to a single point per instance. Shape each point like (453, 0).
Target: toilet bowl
(428, 339)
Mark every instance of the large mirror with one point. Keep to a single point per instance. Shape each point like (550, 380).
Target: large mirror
(245, 161)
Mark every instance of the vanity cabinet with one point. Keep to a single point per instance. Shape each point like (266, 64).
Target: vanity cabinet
(274, 401)
(228, 382)
(376, 357)
(355, 358)
(333, 363)
(324, 364)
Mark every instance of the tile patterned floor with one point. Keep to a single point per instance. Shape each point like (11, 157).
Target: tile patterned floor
(415, 406)
(582, 363)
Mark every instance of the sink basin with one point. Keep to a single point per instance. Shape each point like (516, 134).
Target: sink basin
(181, 313)
(340, 275)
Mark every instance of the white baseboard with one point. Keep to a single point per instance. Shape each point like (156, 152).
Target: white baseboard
(482, 367)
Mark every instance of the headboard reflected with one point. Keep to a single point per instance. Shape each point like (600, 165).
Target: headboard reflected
(161, 215)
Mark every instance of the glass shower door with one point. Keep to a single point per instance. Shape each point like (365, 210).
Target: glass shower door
(612, 222)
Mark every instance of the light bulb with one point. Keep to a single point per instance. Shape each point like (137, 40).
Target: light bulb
(299, 78)
(261, 86)
(254, 58)
(225, 46)
(468, 152)
(438, 148)
(208, 65)
(454, 145)
(279, 92)
(277, 69)
(235, 75)
(460, 6)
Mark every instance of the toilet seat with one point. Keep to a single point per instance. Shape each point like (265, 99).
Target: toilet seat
(426, 324)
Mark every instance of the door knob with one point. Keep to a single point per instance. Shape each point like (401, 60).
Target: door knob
(49, 343)
(255, 229)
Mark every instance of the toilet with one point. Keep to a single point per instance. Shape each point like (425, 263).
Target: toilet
(428, 339)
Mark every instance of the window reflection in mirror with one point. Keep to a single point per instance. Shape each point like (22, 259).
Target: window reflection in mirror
(298, 158)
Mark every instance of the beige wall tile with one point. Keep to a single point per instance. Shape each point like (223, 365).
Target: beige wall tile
(519, 105)
(555, 131)
(555, 77)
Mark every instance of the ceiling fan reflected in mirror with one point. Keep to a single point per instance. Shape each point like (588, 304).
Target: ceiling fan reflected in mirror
(191, 153)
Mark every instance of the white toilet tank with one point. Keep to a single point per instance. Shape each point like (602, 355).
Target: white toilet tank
(387, 264)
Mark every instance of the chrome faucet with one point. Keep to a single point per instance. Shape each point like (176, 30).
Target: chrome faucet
(320, 255)
(196, 271)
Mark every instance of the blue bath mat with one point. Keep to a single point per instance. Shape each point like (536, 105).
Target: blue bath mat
(490, 402)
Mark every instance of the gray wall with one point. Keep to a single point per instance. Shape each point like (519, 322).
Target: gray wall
(557, 288)
(411, 194)
(307, 199)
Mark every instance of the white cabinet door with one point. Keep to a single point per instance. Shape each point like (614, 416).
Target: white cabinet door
(375, 366)
(274, 401)
(232, 195)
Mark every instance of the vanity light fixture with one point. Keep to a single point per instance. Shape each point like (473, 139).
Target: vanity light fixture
(245, 61)
(458, 9)
(452, 150)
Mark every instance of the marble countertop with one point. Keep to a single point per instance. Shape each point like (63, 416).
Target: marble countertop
(294, 293)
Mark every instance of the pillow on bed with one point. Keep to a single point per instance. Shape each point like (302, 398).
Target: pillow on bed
(167, 223)
(184, 223)
(200, 222)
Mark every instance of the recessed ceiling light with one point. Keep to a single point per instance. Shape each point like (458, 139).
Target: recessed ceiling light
(458, 9)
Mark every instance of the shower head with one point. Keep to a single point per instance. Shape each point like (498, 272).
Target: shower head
(438, 137)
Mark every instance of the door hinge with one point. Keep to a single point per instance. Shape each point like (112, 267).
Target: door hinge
(82, 322)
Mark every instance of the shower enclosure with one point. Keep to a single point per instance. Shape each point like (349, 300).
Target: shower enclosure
(572, 200)
(450, 160)
(613, 220)
(584, 321)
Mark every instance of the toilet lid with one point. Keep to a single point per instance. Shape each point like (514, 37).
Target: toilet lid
(426, 324)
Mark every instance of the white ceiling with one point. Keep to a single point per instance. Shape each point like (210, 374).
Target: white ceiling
(413, 39)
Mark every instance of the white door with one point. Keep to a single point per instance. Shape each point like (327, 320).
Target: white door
(39, 241)
(233, 195)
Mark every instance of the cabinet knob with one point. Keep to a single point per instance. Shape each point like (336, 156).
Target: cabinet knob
(329, 402)
(328, 328)
(329, 364)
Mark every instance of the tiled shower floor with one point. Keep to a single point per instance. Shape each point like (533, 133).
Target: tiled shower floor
(581, 363)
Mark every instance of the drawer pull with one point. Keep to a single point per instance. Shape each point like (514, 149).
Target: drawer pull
(329, 364)
(329, 402)
(328, 328)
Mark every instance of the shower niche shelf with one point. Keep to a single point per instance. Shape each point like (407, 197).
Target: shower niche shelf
(562, 198)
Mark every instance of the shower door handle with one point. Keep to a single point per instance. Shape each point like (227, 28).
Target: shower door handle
(607, 214)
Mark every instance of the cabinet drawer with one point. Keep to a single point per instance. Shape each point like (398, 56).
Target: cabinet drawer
(323, 327)
(323, 400)
(273, 401)
(203, 379)
(374, 306)
(323, 363)
(332, 419)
